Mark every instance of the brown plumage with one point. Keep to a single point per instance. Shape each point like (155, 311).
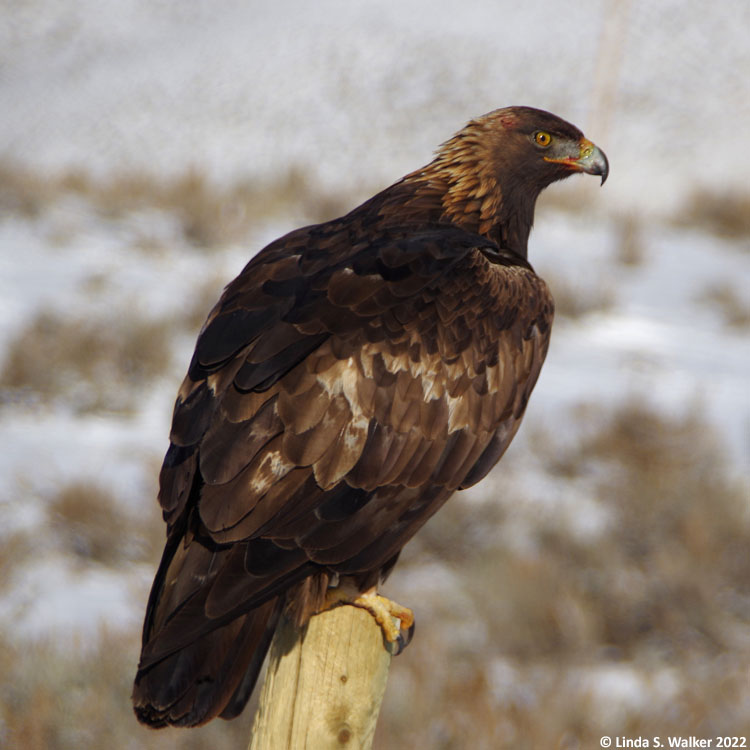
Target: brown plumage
(349, 380)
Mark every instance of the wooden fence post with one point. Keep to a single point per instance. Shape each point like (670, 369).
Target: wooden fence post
(324, 685)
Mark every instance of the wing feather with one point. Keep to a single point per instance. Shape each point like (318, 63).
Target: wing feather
(343, 453)
(254, 517)
(300, 412)
(228, 446)
(305, 448)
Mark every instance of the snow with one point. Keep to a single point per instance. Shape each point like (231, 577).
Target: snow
(95, 596)
(137, 85)
(617, 691)
(657, 343)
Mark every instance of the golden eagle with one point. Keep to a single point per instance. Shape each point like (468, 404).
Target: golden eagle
(349, 380)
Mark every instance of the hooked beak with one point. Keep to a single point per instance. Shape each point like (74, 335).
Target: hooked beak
(591, 159)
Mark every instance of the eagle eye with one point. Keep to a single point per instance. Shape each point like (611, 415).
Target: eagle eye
(542, 138)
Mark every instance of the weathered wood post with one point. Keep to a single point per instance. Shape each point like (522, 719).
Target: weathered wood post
(324, 685)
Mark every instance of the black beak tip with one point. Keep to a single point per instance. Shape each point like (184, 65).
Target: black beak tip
(604, 168)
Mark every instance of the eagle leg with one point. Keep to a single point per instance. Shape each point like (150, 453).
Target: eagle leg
(395, 620)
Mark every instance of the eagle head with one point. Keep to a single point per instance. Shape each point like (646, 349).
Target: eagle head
(531, 148)
(493, 170)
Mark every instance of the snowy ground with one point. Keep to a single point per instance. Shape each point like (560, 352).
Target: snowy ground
(356, 95)
(239, 88)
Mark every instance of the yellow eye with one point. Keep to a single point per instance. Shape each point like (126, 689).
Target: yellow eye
(542, 138)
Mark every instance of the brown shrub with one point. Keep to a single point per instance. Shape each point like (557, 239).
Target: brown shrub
(24, 192)
(725, 298)
(726, 214)
(94, 365)
(79, 698)
(209, 214)
(575, 301)
(16, 548)
(629, 247)
(90, 523)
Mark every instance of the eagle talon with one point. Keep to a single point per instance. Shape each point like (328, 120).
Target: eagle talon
(393, 618)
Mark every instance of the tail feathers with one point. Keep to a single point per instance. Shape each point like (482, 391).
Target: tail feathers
(212, 676)
(244, 689)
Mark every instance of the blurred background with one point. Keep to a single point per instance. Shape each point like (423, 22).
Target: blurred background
(599, 581)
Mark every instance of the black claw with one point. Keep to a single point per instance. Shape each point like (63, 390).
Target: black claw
(410, 634)
(403, 640)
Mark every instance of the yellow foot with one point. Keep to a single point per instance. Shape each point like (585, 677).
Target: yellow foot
(391, 616)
